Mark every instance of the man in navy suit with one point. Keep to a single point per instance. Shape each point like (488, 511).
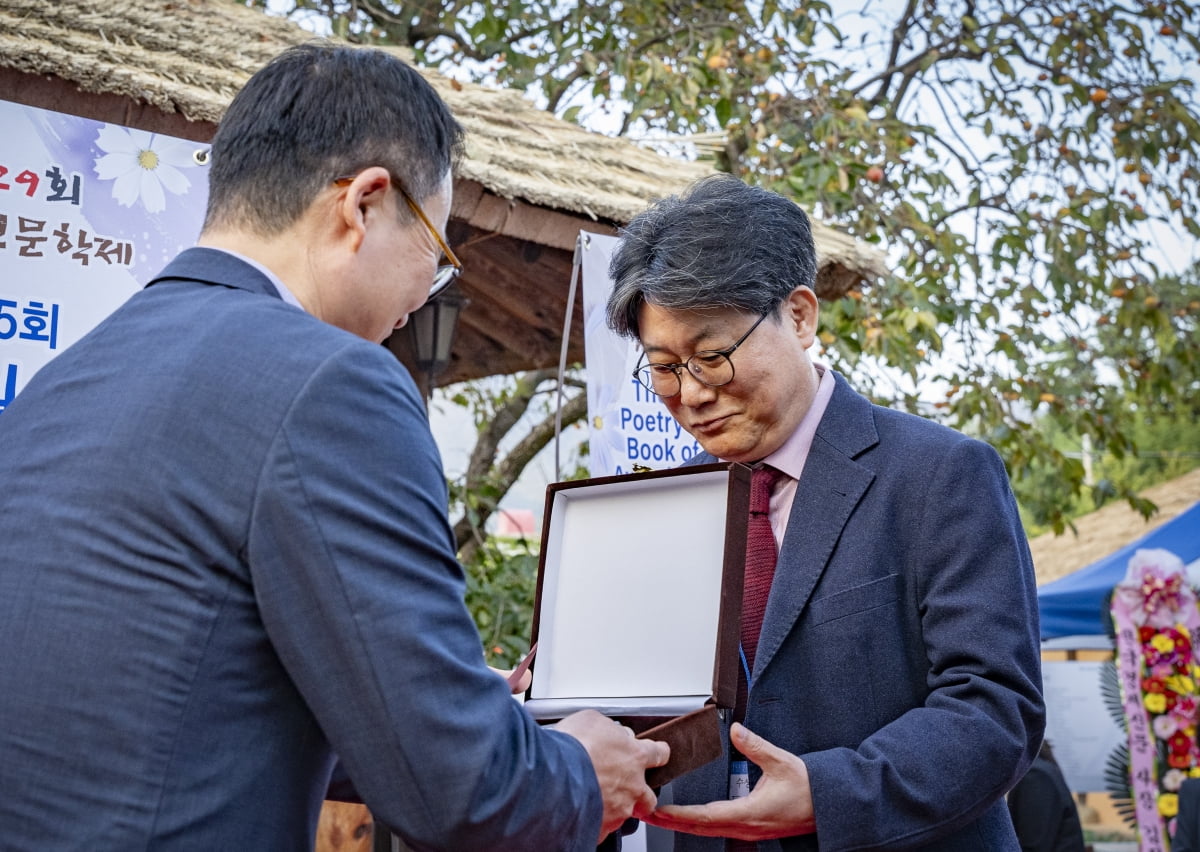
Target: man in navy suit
(895, 689)
(224, 550)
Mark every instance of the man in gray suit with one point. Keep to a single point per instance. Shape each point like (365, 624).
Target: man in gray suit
(224, 551)
(894, 689)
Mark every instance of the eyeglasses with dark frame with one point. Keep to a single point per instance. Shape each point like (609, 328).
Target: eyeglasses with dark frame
(445, 274)
(711, 367)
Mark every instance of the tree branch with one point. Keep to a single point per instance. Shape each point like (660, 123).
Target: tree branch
(899, 34)
(468, 532)
(483, 471)
(555, 93)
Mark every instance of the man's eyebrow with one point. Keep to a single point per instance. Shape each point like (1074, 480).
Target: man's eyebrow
(705, 332)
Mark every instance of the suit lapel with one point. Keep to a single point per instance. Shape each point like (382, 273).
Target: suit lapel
(830, 487)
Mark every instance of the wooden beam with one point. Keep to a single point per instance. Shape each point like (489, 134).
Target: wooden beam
(517, 292)
(490, 214)
(55, 93)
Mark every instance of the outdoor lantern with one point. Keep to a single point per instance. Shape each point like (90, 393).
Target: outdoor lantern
(432, 332)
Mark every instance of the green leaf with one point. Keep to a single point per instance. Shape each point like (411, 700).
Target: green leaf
(722, 109)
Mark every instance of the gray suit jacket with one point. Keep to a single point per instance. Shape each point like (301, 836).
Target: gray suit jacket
(899, 652)
(224, 557)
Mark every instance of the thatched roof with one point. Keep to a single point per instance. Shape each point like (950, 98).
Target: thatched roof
(1110, 528)
(172, 66)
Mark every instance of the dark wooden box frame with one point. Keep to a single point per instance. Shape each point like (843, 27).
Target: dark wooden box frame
(694, 734)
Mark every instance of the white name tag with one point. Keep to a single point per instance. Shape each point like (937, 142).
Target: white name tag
(739, 779)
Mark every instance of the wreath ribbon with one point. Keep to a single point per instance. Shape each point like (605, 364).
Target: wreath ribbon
(1143, 762)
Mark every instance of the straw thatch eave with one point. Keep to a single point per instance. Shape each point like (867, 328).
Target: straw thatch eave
(528, 184)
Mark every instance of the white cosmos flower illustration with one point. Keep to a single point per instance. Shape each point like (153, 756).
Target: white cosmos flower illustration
(141, 164)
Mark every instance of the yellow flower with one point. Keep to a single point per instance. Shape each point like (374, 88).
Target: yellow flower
(1182, 684)
(1194, 772)
(1156, 702)
(1168, 804)
(1162, 643)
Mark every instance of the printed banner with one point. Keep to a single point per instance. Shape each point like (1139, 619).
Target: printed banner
(1079, 726)
(629, 425)
(88, 213)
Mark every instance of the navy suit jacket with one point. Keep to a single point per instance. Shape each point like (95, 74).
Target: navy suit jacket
(1187, 822)
(899, 653)
(1043, 811)
(225, 557)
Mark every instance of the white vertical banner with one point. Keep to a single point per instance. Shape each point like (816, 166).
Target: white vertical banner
(1078, 725)
(88, 213)
(629, 425)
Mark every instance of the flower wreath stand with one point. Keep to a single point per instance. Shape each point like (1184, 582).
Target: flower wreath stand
(1155, 617)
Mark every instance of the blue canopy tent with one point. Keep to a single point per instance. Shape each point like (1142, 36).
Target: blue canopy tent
(1075, 605)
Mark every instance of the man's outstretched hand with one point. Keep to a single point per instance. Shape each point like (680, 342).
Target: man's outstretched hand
(779, 806)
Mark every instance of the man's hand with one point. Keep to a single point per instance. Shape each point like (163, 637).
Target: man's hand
(520, 684)
(779, 806)
(620, 761)
(518, 679)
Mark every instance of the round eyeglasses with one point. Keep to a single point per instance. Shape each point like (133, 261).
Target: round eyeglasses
(711, 367)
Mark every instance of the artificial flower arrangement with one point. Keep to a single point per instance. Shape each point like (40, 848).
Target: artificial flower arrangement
(1156, 619)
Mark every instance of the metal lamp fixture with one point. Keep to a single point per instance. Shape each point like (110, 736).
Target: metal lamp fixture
(432, 332)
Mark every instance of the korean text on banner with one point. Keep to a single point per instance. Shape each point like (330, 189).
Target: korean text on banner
(88, 213)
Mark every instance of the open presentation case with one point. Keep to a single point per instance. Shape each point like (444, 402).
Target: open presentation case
(638, 604)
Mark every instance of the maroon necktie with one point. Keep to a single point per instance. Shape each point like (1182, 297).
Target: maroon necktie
(760, 559)
(760, 571)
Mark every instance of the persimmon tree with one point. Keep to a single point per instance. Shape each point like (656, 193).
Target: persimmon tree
(1030, 168)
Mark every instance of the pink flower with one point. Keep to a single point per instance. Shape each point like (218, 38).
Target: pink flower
(1155, 586)
(1185, 710)
(1172, 779)
(1165, 726)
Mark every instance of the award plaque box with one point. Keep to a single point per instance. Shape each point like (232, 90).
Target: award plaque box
(638, 605)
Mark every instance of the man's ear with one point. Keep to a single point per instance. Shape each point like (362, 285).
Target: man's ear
(802, 310)
(361, 200)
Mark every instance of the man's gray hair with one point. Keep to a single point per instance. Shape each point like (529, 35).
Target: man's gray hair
(719, 244)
